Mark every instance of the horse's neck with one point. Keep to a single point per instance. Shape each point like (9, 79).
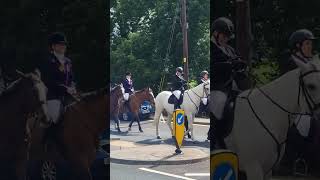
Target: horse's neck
(284, 90)
(138, 98)
(196, 93)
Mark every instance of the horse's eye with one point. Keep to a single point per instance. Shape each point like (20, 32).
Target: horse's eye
(311, 87)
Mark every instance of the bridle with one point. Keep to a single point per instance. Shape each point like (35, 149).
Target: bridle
(310, 102)
(206, 94)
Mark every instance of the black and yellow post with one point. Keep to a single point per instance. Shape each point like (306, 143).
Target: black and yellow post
(224, 165)
(178, 129)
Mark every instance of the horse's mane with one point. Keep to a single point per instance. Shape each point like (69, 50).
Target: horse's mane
(139, 91)
(114, 88)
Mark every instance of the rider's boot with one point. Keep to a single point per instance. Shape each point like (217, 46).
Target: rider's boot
(216, 139)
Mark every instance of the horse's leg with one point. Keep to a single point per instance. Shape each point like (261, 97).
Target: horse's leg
(131, 122)
(190, 120)
(169, 120)
(156, 121)
(254, 171)
(138, 120)
(117, 121)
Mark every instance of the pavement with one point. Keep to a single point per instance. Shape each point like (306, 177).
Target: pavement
(144, 148)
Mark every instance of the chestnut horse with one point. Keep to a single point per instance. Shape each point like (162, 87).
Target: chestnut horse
(23, 97)
(135, 101)
(75, 138)
(116, 95)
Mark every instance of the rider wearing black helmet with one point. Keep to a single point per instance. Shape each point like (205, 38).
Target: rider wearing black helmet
(179, 85)
(301, 48)
(223, 62)
(57, 75)
(204, 77)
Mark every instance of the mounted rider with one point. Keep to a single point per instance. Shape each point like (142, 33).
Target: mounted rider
(127, 84)
(224, 64)
(301, 48)
(179, 85)
(57, 75)
(204, 77)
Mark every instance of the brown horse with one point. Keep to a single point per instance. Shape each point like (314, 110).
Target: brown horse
(116, 95)
(135, 100)
(75, 138)
(23, 97)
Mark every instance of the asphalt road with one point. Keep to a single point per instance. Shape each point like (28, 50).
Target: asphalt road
(198, 171)
(165, 172)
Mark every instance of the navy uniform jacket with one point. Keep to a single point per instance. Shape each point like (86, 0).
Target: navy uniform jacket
(53, 74)
(221, 72)
(178, 83)
(127, 86)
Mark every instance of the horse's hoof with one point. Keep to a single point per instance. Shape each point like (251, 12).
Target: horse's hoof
(158, 137)
(140, 130)
(129, 129)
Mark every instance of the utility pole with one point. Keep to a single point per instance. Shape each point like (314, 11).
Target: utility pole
(185, 38)
(243, 34)
(243, 29)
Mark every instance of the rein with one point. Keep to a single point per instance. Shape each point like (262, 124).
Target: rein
(204, 92)
(308, 98)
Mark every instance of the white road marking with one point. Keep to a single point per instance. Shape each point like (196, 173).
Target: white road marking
(166, 174)
(197, 174)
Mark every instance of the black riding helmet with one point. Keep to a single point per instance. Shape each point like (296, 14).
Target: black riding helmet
(223, 25)
(204, 73)
(179, 69)
(57, 38)
(128, 73)
(298, 37)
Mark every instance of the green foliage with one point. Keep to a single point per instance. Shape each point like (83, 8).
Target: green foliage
(192, 83)
(272, 24)
(140, 36)
(265, 72)
(25, 26)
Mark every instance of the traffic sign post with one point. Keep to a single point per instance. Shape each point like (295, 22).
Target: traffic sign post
(178, 130)
(224, 165)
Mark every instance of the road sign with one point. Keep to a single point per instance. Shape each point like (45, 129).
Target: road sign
(178, 123)
(224, 165)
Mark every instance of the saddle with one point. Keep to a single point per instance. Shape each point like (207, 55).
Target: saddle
(173, 100)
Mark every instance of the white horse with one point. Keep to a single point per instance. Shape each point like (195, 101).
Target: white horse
(190, 104)
(264, 115)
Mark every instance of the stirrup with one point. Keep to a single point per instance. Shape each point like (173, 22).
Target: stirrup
(300, 162)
